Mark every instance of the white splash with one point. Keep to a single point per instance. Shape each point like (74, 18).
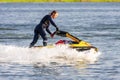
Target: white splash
(58, 54)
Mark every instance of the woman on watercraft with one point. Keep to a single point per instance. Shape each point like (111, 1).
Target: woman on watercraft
(44, 24)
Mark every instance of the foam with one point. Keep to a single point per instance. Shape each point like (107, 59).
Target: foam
(58, 54)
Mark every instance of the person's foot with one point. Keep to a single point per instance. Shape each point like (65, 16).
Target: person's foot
(30, 46)
(44, 43)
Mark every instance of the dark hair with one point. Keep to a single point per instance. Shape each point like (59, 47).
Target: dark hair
(53, 12)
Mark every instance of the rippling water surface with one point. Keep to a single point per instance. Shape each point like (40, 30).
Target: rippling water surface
(97, 23)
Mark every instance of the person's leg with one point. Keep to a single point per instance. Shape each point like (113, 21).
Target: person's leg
(44, 37)
(44, 40)
(35, 39)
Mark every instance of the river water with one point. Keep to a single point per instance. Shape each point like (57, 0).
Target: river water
(97, 23)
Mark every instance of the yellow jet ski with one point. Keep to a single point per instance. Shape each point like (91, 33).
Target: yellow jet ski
(74, 43)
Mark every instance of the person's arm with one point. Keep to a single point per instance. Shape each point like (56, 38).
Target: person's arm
(47, 29)
(51, 21)
(52, 35)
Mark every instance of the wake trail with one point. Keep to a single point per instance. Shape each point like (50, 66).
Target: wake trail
(58, 54)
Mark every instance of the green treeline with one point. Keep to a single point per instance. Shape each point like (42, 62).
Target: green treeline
(59, 0)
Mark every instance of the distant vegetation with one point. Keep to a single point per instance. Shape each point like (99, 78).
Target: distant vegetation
(59, 0)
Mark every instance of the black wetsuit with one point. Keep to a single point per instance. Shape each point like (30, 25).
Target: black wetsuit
(39, 30)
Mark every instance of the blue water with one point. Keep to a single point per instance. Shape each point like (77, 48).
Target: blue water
(97, 23)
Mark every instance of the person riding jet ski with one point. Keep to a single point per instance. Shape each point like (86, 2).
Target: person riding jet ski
(44, 24)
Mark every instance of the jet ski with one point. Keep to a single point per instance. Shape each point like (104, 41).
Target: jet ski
(74, 43)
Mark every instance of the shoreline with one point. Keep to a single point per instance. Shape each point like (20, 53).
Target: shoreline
(53, 1)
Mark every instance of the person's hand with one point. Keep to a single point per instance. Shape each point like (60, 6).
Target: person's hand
(52, 35)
